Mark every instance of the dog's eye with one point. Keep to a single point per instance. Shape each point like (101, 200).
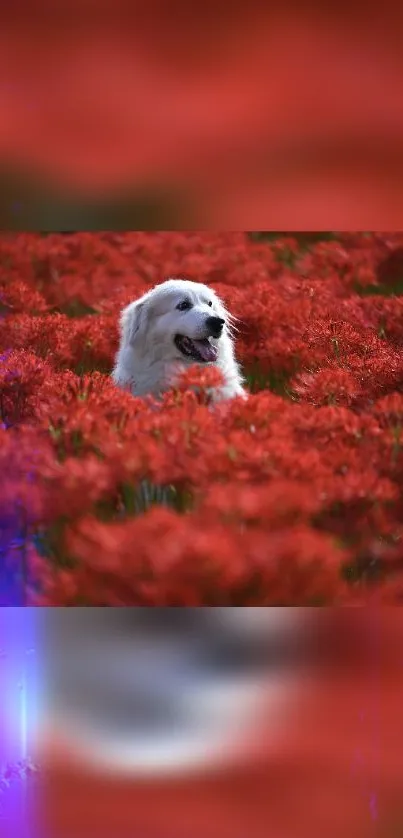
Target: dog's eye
(210, 303)
(185, 304)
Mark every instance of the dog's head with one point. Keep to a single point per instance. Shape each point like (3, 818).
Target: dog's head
(178, 320)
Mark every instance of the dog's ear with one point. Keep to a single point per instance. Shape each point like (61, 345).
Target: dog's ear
(132, 322)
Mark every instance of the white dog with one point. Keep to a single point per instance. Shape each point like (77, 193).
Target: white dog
(174, 325)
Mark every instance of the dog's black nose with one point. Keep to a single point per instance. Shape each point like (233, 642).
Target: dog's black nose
(215, 325)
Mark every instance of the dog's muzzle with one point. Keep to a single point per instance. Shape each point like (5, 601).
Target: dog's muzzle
(202, 350)
(215, 326)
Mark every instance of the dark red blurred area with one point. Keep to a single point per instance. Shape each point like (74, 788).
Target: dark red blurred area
(245, 115)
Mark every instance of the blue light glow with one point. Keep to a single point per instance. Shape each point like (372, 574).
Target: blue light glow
(18, 709)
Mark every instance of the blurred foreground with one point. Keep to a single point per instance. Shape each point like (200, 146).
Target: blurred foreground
(178, 722)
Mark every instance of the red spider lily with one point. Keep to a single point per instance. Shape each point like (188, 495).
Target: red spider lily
(385, 316)
(328, 386)
(389, 410)
(120, 564)
(19, 296)
(200, 381)
(21, 375)
(278, 504)
(307, 471)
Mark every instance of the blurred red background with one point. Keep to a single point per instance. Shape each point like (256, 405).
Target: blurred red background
(177, 115)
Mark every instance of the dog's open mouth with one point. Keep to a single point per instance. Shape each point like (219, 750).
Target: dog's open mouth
(199, 350)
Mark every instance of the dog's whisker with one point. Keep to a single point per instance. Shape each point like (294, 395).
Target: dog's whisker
(232, 319)
(232, 328)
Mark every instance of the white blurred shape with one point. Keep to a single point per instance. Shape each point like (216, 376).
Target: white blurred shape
(210, 696)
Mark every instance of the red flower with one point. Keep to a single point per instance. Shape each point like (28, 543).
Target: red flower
(328, 386)
(21, 375)
(276, 499)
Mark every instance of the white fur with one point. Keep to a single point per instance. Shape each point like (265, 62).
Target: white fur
(148, 362)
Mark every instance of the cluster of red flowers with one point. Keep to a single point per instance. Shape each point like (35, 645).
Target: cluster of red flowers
(293, 497)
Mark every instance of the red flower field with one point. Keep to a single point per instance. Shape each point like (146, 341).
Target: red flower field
(292, 498)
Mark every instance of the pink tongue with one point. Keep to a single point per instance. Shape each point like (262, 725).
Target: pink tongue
(207, 351)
